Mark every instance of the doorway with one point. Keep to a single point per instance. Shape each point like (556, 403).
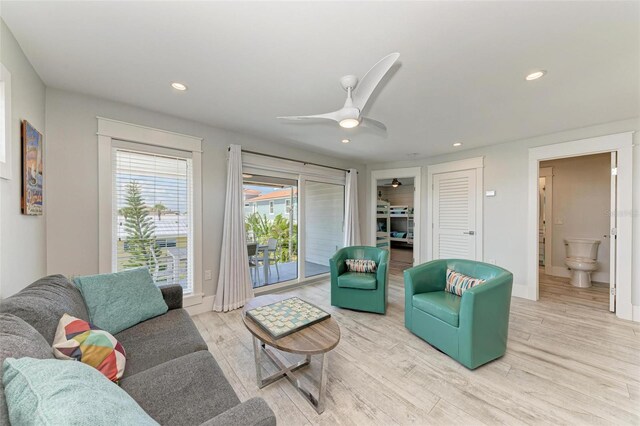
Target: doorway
(574, 230)
(395, 211)
(396, 221)
(621, 202)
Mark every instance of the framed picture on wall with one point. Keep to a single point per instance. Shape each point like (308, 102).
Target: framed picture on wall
(32, 170)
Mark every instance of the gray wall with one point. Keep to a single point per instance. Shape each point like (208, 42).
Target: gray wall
(72, 157)
(22, 238)
(581, 206)
(505, 216)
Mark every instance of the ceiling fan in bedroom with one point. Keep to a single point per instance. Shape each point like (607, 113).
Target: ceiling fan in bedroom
(358, 94)
(394, 183)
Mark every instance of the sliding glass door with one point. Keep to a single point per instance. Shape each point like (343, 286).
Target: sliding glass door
(271, 224)
(324, 225)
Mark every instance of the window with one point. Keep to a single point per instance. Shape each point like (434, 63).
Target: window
(153, 213)
(5, 123)
(270, 207)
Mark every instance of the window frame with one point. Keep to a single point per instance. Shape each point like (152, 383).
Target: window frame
(5, 94)
(113, 134)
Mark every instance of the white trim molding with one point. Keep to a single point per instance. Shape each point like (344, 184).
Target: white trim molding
(622, 143)
(407, 172)
(476, 163)
(110, 132)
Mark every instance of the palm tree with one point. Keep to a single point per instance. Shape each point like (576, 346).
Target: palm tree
(159, 208)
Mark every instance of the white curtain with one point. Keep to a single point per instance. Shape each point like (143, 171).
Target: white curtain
(234, 281)
(351, 224)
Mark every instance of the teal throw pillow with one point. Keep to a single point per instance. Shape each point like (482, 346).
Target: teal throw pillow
(121, 300)
(56, 392)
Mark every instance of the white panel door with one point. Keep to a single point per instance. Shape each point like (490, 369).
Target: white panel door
(454, 215)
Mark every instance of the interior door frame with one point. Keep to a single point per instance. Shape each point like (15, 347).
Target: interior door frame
(622, 143)
(407, 172)
(547, 173)
(476, 163)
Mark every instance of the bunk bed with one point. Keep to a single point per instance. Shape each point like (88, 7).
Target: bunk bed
(383, 225)
(401, 224)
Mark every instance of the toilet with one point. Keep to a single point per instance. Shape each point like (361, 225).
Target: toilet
(581, 260)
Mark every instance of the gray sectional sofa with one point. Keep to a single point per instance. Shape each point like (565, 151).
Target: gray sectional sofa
(169, 371)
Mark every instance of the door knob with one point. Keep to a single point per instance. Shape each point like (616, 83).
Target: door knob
(470, 232)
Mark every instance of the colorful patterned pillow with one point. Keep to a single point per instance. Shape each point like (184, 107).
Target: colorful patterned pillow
(458, 283)
(78, 340)
(361, 265)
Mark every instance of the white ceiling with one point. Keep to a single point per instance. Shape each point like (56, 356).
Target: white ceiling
(460, 77)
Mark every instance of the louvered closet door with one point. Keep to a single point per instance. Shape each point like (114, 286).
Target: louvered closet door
(454, 215)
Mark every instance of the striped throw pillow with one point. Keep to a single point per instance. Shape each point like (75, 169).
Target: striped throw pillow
(78, 340)
(361, 265)
(458, 283)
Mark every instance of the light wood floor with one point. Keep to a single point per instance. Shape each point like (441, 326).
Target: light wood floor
(568, 361)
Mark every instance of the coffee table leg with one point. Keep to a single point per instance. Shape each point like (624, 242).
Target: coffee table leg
(324, 360)
(318, 402)
(258, 360)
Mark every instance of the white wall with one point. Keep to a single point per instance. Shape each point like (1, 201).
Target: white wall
(505, 215)
(581, 205)
(72, 232)
(324, 212)
(22, 238)
(400, 196)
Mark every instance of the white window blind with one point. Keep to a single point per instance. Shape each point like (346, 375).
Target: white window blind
(153, 215)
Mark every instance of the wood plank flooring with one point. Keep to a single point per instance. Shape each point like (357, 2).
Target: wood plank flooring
(568, 361)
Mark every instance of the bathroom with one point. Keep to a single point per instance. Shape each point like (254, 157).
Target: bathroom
(575, 221)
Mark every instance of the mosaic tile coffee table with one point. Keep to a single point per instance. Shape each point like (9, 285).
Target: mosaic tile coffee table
(316, 339)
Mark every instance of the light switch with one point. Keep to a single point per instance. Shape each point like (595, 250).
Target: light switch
(490, 193)
(207, 274)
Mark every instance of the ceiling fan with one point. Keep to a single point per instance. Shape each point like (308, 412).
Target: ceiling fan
(358, 95)
(394, 183)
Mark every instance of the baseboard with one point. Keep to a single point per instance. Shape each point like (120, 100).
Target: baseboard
(564, 272)
(519, 291)
(635, 313)
(205, 306)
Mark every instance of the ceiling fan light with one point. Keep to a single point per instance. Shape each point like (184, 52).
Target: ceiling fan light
(349, 123)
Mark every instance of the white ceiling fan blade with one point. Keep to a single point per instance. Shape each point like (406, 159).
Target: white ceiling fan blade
(328, 116)
(372, 124)
(371, 79)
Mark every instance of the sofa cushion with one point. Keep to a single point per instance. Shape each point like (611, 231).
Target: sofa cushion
(43, 303)
(121, 300)
(188, 390)
(56, 392)
(159, 340)
(441, 304)
(79, 340)
(17, 340)
(358, 280)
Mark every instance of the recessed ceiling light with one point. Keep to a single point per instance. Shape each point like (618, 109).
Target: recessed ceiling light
(535, 75)
(179, 86)
(457, 144)
(346, 140)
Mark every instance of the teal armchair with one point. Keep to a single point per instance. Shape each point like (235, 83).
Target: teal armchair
(356, 290)
(471, 329)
